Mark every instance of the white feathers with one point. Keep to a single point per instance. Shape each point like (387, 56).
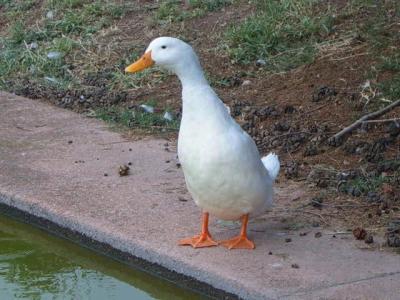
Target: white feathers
(271, 163)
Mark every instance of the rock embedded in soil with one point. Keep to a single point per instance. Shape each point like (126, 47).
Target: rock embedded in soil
(281, 126)
(323, 93)
(356, 147)
(317, 202)
(323, 176)
(373, 197)
(369, 239)
(393, 129)
(393, 233)
(268, 111)
(292, 169)
(54, 55)
(311, 150)
(388, 166)
(289, 109)
(261, 62)
(375, 152)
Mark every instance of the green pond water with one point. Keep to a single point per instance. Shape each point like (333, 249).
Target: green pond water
(36, 265)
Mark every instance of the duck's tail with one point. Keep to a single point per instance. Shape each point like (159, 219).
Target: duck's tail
(271, 163)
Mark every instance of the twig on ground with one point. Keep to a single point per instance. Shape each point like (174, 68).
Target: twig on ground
(339, 232)
(337, 139)
(351, 56)
(383, 120)
(315, 109)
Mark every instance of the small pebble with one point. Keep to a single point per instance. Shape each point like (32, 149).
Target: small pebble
(50, 14)
(147, 108)
(167, 161)
(260, 62)
(369, 239)
(303, 233)
(246, 82)
(178, 165)
(33, 45)
(105, 174)
(295, 266)
(70, 142)
(269, 253)
(54, 55)
(334, 236)
(129, 164)
(130, 149)
(288, 240)
(182, 199)
(168, 116)
(317, 234)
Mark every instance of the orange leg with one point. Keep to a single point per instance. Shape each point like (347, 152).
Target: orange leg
(241, 241)
(203, 239)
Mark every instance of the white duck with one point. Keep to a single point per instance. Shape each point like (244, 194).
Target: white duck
(222, 166)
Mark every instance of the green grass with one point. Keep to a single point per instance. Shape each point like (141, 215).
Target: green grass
(170, 11)
(368, 184)
(72, 29)
(209, 5)
(391, 87)
(136, 118)
(284, 33)
(382, 39)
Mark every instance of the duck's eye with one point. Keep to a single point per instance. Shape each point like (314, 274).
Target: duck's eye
(163, 47)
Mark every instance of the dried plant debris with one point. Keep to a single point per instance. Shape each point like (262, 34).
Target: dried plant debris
(317, 234)
(359, 233)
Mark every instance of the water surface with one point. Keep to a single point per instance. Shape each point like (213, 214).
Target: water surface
(36, 265)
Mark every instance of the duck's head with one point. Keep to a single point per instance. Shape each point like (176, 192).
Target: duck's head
(169, 53)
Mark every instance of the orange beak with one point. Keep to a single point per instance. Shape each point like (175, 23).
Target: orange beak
(142, 63)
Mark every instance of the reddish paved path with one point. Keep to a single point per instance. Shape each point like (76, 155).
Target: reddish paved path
(141, 213)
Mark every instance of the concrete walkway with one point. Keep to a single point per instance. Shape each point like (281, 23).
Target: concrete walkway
(52, 165)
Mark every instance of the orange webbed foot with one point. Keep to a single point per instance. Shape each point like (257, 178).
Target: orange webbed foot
(241, 241)
(202, 240)
(199, 241)
(238, 242)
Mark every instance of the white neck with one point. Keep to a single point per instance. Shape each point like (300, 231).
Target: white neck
(190, 73)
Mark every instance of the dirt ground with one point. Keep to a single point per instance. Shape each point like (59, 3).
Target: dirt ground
(293, 113)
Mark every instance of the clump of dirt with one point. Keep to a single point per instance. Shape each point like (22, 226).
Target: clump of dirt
(393, 233)
(123, 170)
(359, 233)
